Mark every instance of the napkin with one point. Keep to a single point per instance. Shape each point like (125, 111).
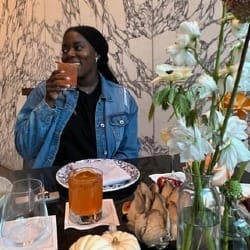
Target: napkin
(47, 242)
(175, 175)
(109, 217)
(113, 174)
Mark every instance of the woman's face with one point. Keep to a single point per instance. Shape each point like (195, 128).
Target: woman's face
(76, 49)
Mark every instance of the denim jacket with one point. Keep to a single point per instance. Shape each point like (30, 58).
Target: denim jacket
(39, 127)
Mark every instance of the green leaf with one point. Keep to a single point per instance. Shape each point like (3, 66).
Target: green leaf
(181, 104)
(171, 95)
(161, 96)
(191, 118)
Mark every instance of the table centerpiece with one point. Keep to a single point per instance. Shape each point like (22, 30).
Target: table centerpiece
(210, 103)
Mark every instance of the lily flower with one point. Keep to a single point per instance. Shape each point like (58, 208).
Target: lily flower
(233, 154)
(188, 142)
(235, 129)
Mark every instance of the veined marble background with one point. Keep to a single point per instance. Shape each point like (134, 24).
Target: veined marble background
(138, 32)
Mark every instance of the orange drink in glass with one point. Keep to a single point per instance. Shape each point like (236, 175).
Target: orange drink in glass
(85, 195)
(71, 70)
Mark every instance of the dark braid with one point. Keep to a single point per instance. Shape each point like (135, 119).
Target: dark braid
(103, 67)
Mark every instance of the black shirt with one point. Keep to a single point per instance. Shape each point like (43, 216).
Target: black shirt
(78, 139)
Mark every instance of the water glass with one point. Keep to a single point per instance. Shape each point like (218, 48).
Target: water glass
(24, 217)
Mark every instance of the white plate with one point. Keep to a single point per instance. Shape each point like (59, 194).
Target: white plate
(131, 170)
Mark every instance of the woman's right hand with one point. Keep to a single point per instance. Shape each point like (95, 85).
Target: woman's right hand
(57, 82)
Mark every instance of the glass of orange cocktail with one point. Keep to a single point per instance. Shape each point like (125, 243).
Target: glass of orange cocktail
(85, 195)
(71, 70)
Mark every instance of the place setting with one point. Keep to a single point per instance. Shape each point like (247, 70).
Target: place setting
(87, 181)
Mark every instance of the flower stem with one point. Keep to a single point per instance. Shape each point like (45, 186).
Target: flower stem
(225, 223)
(237, 82)
(220, 44)
(233, 95)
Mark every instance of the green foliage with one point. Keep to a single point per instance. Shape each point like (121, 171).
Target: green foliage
(181, 104)
(179, 99)
(232, 189)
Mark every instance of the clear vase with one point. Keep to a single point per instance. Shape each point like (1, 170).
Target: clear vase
(235, 230)
(198, 214)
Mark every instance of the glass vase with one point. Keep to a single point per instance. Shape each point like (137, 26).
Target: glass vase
(198, 214)
(235, 229)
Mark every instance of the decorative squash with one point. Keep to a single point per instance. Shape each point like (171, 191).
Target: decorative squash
(91, 242)
(121, 240)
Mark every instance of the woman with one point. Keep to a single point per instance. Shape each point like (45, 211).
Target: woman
(98, 119)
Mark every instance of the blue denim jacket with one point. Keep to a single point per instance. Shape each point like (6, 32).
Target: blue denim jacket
(38, 127)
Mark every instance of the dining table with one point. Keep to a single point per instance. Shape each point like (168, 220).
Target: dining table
(66, 237)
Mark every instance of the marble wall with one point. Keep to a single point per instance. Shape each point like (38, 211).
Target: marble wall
(138, 32)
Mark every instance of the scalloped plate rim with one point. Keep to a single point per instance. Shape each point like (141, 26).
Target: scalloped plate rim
(132, 170)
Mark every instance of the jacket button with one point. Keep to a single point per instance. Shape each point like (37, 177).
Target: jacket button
(121, 122)
(102, 125)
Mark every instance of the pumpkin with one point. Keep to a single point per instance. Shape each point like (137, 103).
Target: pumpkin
(91, 242)
(121, 240)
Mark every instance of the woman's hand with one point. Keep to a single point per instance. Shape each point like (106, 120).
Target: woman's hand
(57, 82)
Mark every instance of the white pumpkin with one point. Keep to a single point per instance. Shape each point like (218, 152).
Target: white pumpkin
(121, 240)
(91, 242)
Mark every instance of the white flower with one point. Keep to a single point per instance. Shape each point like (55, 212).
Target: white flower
(167, 72)
(233, 154)
(239, 30)
(183, 41)
(234, 149)
(181, 56)
(180, 53)
(205, 86)
(188, 142)
(235, 129)
(207, 126)
(190, 28)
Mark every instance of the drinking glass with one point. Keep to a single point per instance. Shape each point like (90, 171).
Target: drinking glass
(24, 217)
(85, 195)
(71, 70)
